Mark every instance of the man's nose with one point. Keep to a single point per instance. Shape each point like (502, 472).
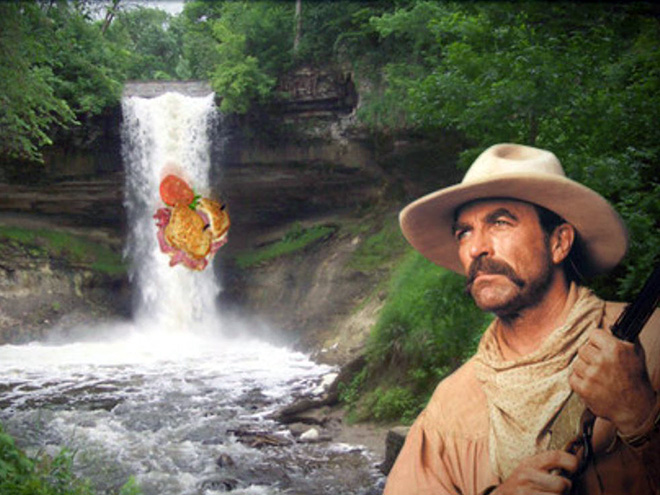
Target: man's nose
(480, 245)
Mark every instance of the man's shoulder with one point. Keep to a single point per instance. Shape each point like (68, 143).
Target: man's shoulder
(463, 376)
(459, 404)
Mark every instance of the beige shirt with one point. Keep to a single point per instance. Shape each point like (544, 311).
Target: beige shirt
(447, 452)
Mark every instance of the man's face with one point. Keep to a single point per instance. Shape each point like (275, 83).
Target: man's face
(505, 254)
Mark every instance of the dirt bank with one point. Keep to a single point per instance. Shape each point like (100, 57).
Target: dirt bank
(43, 291)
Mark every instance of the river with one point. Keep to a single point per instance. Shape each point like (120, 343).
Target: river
(180, 396)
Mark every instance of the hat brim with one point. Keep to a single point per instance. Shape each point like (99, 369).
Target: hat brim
(427, 222)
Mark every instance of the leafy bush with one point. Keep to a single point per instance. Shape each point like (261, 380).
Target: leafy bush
(44, 475)
(149, 44)
(21, 475)
(30, 106)
(391, 404)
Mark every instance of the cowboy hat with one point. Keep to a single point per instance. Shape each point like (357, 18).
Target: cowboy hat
(524, 173)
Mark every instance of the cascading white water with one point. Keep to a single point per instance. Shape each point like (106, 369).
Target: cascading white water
(162, 397)
(162, 135)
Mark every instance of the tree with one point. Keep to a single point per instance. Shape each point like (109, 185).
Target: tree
(110, 14)
(253, 42)
(199, 46)
(298, 23)
(153, 47)
(55, 67)
(87, 67)
(29, 107)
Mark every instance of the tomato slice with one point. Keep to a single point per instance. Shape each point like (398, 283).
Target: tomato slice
(174, 190)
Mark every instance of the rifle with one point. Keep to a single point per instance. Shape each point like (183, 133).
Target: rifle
(575, 421)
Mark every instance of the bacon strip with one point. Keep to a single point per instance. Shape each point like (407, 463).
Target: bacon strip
(182, 257)
(216, 245)
(162, 217)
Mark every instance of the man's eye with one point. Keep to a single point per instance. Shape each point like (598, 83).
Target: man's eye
(460, 234)
(501, 221)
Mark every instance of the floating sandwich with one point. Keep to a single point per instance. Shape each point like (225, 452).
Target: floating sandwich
(191, 229)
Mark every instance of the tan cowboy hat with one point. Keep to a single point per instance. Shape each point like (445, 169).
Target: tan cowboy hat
(517, 172)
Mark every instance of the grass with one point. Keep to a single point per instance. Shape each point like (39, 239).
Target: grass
(296, 239)
(52, 243)
(426, 329)
(379, 249)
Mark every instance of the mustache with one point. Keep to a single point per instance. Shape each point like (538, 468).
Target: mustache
(488, 266)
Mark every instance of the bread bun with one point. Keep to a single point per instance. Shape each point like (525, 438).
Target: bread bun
(186, 231)
(218, 217)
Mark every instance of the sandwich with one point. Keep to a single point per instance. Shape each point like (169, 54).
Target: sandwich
(191, 229)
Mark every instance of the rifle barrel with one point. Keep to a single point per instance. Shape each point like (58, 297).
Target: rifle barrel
(631, 321)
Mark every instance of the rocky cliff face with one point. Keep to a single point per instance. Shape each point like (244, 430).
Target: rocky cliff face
(308, 162)
(45, 295)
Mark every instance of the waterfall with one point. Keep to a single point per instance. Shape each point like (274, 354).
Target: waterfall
(162, 135)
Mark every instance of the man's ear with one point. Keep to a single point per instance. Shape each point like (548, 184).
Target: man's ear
(561, 242)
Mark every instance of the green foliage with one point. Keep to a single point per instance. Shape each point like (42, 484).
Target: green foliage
(131, 487)
(199, 46)
(44, 475)
(86, 69)
(391, 404)
(55, 66)
(410, 53)
(152, 44)
(349, 393)
(20, 475)
(337, 30)
(29, 107)
(379, 249)
(13, 462)
(296, 239)
(42, 242)
(244, 46)
(426, 329)
(428, 319)
(382, 404)
(254, 42)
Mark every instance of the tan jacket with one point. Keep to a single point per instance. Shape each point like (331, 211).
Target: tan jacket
(446, 451)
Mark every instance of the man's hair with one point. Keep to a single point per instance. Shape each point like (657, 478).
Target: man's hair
(549, 221)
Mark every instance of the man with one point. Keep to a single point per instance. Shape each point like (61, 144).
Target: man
(523, 234)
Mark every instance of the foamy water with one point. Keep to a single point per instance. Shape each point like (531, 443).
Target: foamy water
(165, 411)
